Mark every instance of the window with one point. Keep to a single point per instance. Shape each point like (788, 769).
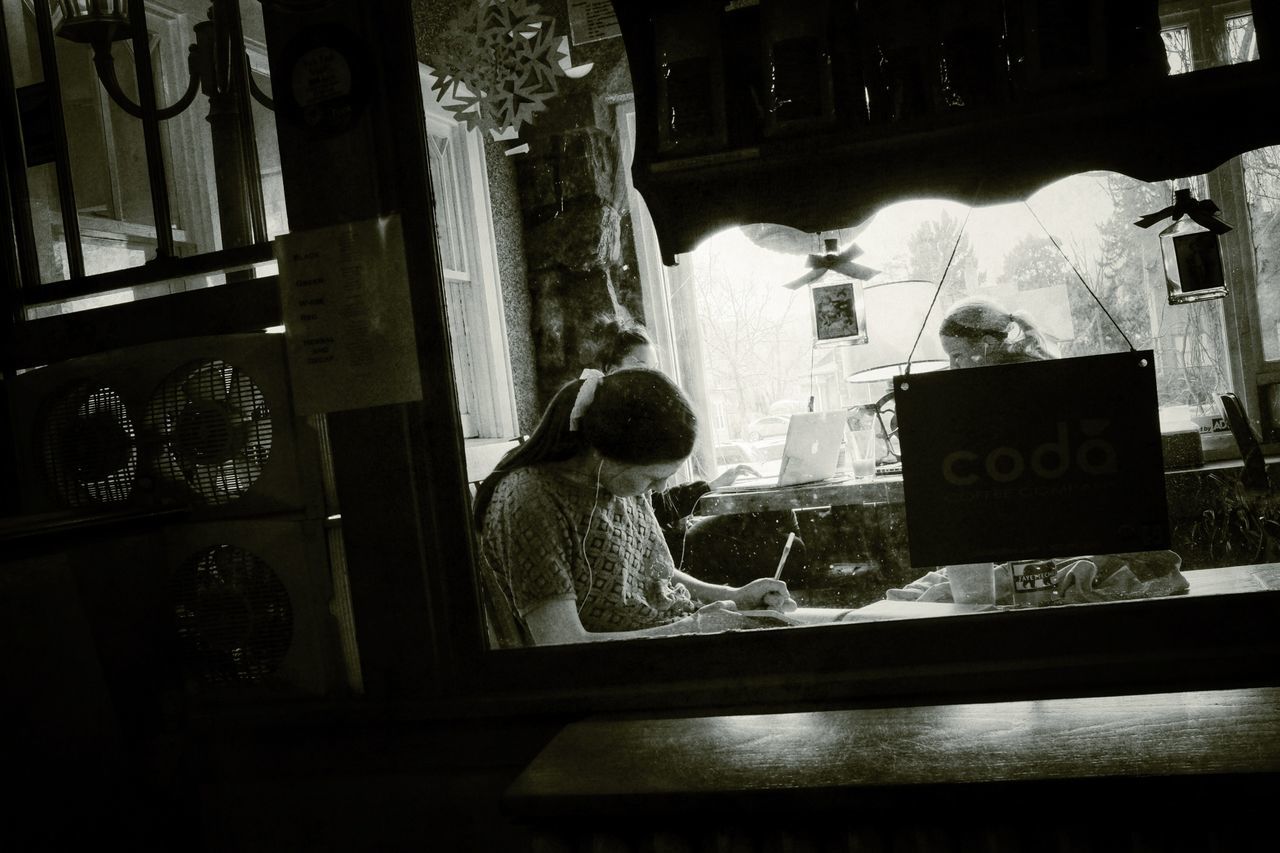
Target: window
(741, 343)
(756, 354)
(473, 297)
(110, 172)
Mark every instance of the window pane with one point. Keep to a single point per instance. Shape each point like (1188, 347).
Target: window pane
(1177, 46)
(758, 337)
(1199, 39)
(1241, 44)
(446, 182)
(1262, 190)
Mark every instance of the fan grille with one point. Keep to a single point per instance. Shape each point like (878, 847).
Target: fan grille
(216, 427)
(90, 447)
(233, 616)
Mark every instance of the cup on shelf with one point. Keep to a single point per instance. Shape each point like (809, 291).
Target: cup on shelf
(860, 448)
(972, 583)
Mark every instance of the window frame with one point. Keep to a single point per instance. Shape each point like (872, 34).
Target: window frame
(1206, 24)
(1116, 648)
(491, 381)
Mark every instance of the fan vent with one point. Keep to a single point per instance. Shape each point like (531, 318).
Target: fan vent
(215, 427)
(233, 616)
(90, 447)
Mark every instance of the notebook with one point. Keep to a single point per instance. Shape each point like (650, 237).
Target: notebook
(811, 452)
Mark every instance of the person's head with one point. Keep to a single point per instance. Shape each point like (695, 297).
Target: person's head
(623, 343)
(633, 428)
(978, 332)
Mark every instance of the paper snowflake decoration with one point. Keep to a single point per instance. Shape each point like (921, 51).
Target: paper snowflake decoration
(501, 67)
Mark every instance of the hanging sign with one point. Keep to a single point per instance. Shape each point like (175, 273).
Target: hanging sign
(1041, 459)
(348, 318)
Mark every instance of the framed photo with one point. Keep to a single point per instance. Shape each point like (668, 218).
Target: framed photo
(839, 313)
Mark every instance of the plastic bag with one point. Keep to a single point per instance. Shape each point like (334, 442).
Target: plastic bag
(1117, 577)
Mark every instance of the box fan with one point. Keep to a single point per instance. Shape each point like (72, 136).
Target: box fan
(255, 609)
(204, 423)
(237, 598)
(225, 612)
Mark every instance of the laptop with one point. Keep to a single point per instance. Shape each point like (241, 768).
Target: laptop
(811, 452)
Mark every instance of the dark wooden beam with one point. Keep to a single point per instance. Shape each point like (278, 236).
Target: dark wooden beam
(245, 306)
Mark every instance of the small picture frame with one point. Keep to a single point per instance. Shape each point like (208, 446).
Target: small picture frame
(839, 313)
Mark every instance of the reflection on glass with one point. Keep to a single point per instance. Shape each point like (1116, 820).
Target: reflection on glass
(757, 336)
(110, 173)
(1262, 191)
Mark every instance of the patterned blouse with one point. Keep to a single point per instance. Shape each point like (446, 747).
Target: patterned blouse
(547, 536)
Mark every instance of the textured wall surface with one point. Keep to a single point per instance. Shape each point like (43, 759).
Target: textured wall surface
(560, 214)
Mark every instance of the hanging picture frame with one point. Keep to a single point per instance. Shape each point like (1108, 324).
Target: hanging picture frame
(839, 313)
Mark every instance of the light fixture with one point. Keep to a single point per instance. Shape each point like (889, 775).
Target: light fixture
(898, 319)
(1190, 248)
(91, 21)
(217, 66)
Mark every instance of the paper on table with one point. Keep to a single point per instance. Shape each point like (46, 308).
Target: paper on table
(888, 609)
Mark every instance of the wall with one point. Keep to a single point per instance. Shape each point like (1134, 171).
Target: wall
(560, 213)
(431, 20)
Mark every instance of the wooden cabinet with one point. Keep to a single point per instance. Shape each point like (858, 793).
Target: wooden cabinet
(979, 109)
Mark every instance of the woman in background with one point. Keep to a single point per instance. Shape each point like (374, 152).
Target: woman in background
(621, 344)
(978, 332)
(567, 528)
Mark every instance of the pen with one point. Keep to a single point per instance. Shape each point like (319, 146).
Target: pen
(786, 549)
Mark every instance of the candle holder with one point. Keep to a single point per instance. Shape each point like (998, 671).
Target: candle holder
(1190, 248)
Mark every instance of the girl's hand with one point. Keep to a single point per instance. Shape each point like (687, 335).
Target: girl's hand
(723, 616)
(727, 478)
(763, 594)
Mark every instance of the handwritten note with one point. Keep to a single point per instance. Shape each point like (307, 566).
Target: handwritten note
(592, 20)
(348, 317)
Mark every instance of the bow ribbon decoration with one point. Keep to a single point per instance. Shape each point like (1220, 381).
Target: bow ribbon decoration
(1203, 212)
(591, 379)
(833, 261)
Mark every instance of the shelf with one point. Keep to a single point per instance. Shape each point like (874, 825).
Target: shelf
(1173, 127)
(1126, 118)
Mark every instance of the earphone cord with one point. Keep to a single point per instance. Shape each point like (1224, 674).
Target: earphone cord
(684, 534)
(590, 519)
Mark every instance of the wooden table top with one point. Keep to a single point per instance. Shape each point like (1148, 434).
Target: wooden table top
(1204, 732)
(612, 765)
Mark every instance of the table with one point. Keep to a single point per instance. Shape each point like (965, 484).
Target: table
(1226, 580)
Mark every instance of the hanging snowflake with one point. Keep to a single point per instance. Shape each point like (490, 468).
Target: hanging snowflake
(501, 66)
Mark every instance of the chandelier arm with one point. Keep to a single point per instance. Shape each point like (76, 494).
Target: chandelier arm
(259, 95)
(193, 88)
(105, 64)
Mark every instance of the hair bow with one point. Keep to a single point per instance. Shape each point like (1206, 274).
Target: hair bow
(591, 379)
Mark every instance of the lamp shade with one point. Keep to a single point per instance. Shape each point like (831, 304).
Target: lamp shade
(91, 21)
(895, 312)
